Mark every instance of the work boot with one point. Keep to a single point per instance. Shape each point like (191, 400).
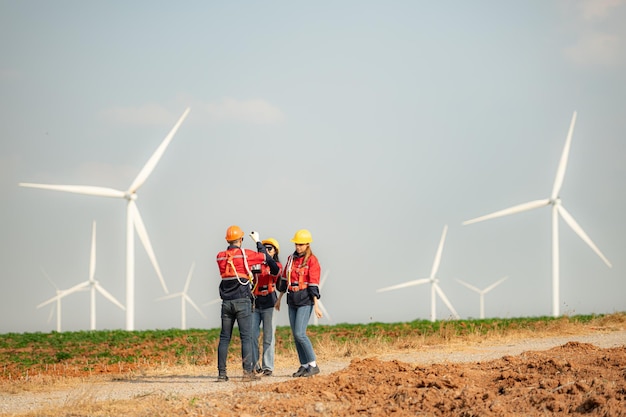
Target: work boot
(311, 370)
(249, 376)
(300, 372)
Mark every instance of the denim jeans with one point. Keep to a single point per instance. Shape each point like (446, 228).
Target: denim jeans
(298, 320)
(263, 316)
(239, 310)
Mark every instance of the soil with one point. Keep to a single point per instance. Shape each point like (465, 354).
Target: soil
(569, 375)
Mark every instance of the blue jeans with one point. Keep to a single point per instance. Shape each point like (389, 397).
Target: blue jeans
(298, 320)
(239, 310)
(263, 316)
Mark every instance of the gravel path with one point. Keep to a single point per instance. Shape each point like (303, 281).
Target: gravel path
(189, 385)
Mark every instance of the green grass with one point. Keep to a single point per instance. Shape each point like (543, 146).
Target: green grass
(32, 352)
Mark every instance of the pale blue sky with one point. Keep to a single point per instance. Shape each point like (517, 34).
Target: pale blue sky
(373, 124)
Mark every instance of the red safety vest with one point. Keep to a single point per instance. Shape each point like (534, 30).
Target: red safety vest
(233, 263)
(299, 275)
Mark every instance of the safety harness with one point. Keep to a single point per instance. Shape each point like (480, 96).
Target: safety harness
(229, 263)
(295, 286)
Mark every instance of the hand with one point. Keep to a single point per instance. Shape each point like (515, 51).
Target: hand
(318, 312)
(255, 237)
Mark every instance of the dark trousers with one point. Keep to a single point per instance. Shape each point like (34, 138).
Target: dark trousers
(240, 311)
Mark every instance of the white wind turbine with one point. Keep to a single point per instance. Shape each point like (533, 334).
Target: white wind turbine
(60, 295)
(319, 301)
(433, 280)
(133, 218)
(91, 284)
(557, 209)
(482, 292)
(184, 298)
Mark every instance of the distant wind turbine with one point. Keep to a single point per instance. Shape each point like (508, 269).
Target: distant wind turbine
(133, 218)
(319, 301)
(557, 209)
(482, 293)
(433, 280)
(91, 284)
(58, 303)
(184, 299)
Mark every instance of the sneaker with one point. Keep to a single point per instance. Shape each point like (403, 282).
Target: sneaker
(300, 372)
(258, 370)
(249, 376)
(267, 372)
(312, 370)
(222, 378)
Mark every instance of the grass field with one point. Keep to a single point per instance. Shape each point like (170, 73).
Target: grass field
(67, 354)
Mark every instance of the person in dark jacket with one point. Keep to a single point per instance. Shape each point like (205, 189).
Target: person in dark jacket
(300, 280)
(264, 291)
(236, 294)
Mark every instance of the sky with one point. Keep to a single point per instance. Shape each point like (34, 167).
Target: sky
(372, 124)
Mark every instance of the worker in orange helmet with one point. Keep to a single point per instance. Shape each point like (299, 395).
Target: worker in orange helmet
(300, 279)
(236, 294)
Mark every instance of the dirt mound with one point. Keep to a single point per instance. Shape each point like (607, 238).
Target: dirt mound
(576, 378)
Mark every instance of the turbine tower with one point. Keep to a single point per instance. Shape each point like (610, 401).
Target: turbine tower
(482, 292)
(557, 209)
(133, 218)
(91, 284)
(184, 298)
(433, 280)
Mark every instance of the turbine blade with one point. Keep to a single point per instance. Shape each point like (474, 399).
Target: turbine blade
(404, 285)
(143, 236)
(446, 301)
(435, 268)
(50, 314)
(560, 173)
(511, 210)
(92, 258)
(208, 303)
(494, 285)
(193, 265)
(471, 287)
(109, 296)
(167, 297)
(323, 280)
(63, 293)
(321, 306)
(45, 274)
(194, 306)
(580, 232)
(156, 156)
(78, 189)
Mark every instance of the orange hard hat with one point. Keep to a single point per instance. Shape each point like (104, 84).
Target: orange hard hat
(234, 233)
(302, 236)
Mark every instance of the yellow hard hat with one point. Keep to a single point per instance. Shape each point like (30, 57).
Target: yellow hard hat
(234, 233)
(302, 236)
(273, 242)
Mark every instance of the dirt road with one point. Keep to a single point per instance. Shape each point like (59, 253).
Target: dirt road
(326, 400)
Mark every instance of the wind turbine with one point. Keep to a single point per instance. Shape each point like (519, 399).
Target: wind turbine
(133, 218)
(184, 298)
(58, 303)
(482, 293)
(557, 209)
(91, 284)
(433, 280)
(319, 301)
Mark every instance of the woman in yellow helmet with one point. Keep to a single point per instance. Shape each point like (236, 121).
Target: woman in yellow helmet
(301, 279)
(262, 314)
